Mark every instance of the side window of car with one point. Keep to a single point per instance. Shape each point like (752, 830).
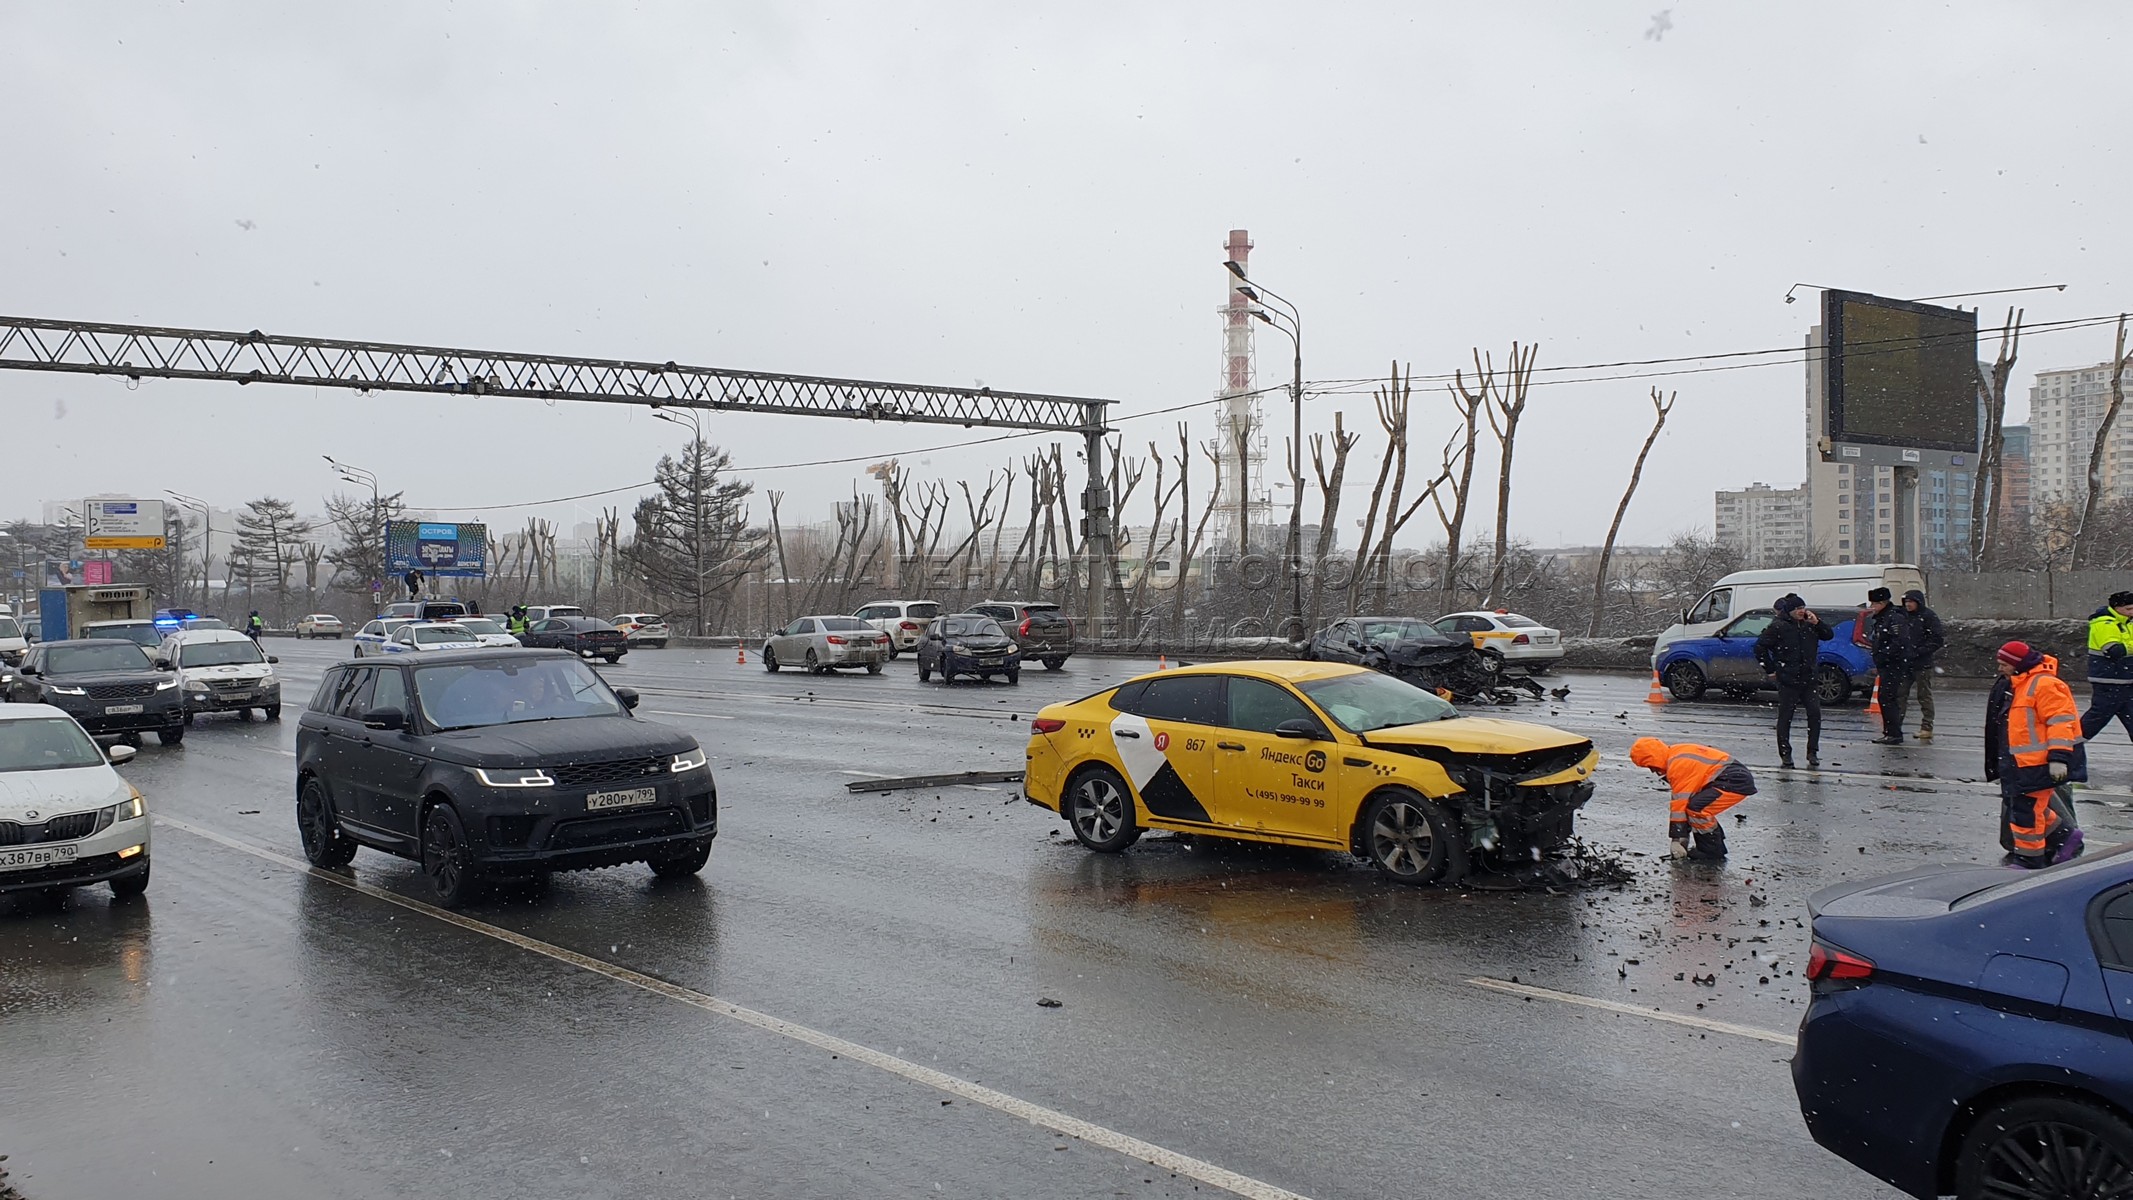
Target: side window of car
(1447, 626)
(354, 695)
(1260, 707)
(1126, 698)
(1196, 699)
(389, 690)
(1751, 625)
(328, 685)
(1715, 607)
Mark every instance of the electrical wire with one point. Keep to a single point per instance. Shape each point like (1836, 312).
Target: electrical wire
(1358, 386)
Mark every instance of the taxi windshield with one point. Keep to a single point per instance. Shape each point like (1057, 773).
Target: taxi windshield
(1367, 700)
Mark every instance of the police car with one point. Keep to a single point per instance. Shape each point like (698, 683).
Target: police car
(1322, 755)
(424, 637)
(1509, 636)
(371, 638)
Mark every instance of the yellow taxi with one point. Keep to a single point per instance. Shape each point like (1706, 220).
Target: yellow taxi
(1324, 755)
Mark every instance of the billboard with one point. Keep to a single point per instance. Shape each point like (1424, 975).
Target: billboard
(1899, 373)
(122, 525)
(436, 548)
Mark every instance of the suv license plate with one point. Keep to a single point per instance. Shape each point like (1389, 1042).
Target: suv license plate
(622, 799)
(114, 710)
(39, 856)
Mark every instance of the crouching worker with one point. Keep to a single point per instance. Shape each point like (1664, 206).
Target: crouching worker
(1705, 783)
(2033, 747)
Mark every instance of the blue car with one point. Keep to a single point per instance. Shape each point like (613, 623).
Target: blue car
(1726, 661)
(1968, 1030)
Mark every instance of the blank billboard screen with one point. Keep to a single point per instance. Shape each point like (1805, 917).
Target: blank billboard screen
(1900, 373)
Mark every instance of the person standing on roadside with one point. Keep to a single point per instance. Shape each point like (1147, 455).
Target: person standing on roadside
(2110, 666)
(1893, 655)
(2033, 748)
(1789, 650)
(1927, 637)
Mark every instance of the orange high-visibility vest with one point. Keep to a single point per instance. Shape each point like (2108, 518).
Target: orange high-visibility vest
(2042, 717)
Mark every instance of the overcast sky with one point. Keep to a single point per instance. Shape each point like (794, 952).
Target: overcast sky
(1032, 197)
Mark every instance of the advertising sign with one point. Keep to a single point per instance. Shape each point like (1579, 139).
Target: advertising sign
(1900, 374)
(97, 572)
(436, 549)
(123, 525)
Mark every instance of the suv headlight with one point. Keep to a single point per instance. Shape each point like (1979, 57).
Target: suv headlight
(515, 777)
(164, 685)
(690, 761)
(60, 689)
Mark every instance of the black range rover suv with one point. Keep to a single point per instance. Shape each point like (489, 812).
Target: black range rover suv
(496, 764)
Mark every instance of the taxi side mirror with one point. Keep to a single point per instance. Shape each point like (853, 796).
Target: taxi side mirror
(1303, 729)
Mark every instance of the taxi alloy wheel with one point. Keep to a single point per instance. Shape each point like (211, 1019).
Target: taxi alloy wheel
(1101, 811)
(1413, 840)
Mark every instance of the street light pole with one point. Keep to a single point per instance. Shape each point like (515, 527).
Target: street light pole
(207, 539)
(1294, 332)
(361, 478)
(696, 503)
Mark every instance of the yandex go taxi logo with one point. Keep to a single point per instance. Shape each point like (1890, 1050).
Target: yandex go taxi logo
(1315, 761)
(1162, 741)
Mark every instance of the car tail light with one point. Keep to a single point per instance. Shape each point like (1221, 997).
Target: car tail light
(1828, 962)
(1046, 725)
(834, 640)
(907, 626)
(1521, 640)
(1023, 628)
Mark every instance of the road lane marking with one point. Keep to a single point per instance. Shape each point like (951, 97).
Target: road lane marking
(1036, 1114)
(667, 712)
(1631, 1010)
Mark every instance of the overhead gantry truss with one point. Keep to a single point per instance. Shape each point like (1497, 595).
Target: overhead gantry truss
(154, 352)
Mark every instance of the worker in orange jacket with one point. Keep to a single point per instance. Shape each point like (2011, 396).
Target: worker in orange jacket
(2033, 747)
(1704, 783)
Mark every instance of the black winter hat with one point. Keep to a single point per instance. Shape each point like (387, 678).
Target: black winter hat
(1915, 596)
(2121, 599)
(1878, 596)
(1788, 603)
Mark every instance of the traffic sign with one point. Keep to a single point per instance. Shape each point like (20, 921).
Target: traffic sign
(123, 525)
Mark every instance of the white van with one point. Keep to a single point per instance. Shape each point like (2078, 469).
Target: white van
(1835, 591)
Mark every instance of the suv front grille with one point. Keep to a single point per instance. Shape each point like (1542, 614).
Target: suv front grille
(120, 691)
(623, 770)
(59, 829)
(589, 832)
(231, 685)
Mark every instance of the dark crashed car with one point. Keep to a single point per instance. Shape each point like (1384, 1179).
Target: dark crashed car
(589, 636)
(106, 684)
(1967, 1031)
(485, 765)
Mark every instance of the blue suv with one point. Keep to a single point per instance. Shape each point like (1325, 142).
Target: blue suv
(1726, 661)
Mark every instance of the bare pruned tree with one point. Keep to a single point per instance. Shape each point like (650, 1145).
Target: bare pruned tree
(1507, 405)
(1660, 409)
(1189, 549)
(1468, 403)
(2079, 556)
(1329, 505)
(1985, 489)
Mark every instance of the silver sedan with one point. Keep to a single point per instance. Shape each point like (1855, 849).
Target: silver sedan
(825, 643)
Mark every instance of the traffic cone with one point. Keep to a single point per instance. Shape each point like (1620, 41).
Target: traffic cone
(1162, 662)
(1873, 704)
(740, 652)
(1658, 693)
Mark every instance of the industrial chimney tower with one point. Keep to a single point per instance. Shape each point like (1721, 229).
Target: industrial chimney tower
(1241, 441)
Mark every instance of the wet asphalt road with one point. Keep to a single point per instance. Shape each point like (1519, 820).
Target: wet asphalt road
(254, 1029)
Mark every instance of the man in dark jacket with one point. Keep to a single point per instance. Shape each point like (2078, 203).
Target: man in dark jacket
(1928, 637)
(1788, 650)
(2110, 666)
(1893, 655)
